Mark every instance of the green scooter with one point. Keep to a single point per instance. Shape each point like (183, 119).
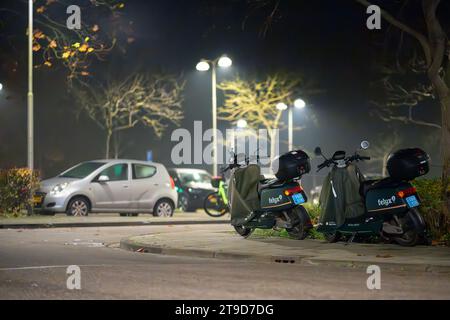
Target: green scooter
(351, 205)
(259, 203)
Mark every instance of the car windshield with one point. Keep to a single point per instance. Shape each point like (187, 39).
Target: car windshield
(82, 170)
(196, 177)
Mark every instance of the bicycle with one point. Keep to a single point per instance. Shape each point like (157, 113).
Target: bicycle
(216, 203)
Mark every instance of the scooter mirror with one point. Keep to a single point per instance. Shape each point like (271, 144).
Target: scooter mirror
(318, 151)
(365, 145)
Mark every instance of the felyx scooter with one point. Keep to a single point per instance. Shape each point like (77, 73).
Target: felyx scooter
(256, 202)
(386, 207)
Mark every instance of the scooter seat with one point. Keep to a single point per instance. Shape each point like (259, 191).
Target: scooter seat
(368, 185)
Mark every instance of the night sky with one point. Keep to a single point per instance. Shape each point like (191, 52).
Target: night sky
(326, 42)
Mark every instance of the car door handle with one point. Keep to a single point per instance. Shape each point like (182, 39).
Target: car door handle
(126, 187)
(156, 184)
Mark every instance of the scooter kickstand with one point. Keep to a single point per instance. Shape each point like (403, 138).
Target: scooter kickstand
(351, 238)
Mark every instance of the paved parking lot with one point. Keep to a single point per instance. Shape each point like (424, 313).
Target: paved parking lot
(34, 262)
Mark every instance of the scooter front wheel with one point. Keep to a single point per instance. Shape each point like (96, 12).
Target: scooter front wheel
(243, 231)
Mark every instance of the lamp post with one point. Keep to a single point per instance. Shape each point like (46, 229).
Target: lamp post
(205, 65)
(30, 100)
(298, 104)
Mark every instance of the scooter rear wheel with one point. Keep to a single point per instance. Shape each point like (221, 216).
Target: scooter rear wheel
(410, 237)
(300, 230)
(243, 231)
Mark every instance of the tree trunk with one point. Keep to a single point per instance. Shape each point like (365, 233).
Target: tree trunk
(108, 143)
(445, 147)
(116, 143)
(445, 144)
(384, 169)
(273, 140)
(438, 43)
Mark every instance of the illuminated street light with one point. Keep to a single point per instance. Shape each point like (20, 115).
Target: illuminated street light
(300, 104)
(242, 124)
(1, 87)
(282, 106)
(205, 65)
(225, 62)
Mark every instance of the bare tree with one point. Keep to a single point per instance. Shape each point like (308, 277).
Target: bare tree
(256, 101)
(154, 101)
(401, 102)
(435, 50)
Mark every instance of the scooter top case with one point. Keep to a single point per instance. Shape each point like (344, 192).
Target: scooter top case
(389, 197)
(282, 196)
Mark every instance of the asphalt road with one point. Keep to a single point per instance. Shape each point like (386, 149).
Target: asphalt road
(33, 265)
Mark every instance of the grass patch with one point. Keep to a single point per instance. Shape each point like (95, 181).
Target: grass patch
(264, 233)
(270, 233)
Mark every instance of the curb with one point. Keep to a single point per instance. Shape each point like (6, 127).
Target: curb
(107, 224)
(301, 260)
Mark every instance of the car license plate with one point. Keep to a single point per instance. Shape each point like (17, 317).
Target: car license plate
(37, 200)
(298, 198)
(412, 201)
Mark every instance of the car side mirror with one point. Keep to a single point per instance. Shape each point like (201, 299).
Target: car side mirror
(103, 178)
(365, 145)
(318, 151)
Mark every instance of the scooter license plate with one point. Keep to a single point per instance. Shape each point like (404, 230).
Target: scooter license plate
(298, 198)
(412, 201)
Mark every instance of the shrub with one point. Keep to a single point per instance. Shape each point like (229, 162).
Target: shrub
(313, 211)
(16, 186)
(430, 192)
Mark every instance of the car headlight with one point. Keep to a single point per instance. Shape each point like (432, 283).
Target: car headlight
(59, 188)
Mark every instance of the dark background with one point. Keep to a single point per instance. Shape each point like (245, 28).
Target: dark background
(323, 41)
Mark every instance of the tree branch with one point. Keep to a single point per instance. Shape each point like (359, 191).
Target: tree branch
(397, 23)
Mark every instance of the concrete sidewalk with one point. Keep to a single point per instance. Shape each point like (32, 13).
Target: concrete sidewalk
(107, 220)
(223, 243)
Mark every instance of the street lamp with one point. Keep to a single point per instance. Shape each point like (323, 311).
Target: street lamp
(282, 106)
(242, 124)
(205, 65)
(1, 86)
(298, 104)
(30, 139)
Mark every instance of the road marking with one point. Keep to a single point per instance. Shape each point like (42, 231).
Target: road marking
(52, 267)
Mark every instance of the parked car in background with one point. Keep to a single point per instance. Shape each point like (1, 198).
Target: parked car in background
(193, 186)
(127, 187)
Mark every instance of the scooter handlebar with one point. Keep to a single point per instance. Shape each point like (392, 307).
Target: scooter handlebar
(323, 165)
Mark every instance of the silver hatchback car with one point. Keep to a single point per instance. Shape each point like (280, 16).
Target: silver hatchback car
(127, 187)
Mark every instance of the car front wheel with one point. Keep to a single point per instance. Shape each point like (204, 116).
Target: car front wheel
(163, 208)
(78, 207)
